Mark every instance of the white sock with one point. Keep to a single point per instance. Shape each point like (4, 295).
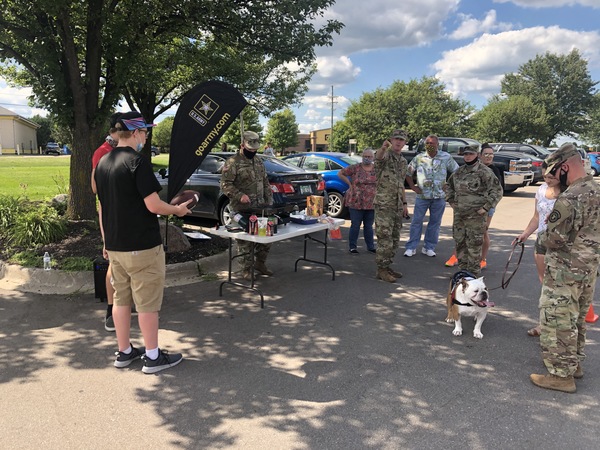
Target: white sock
(128, 350)
(152, 354)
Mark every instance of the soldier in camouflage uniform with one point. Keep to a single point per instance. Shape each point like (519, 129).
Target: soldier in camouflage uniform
(244, 180)
(572, 240)
(389, 203)
(472, 191)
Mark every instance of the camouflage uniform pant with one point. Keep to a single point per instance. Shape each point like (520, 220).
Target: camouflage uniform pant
(261, 251)
(564, 303)
(388, 222)
(468, 234)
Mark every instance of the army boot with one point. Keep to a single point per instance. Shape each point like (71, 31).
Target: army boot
(579, 372)
(393, 273)
(261, 267)
(556, 383)
(247, 274)
(383, 274)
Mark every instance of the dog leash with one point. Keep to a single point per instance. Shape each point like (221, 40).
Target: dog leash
(505, 280)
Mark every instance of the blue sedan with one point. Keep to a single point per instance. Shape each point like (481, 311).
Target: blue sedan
(328, 165)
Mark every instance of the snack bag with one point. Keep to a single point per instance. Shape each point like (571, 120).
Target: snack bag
(314, 205)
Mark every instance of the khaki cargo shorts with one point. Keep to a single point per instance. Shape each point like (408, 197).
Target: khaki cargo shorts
(139, 277)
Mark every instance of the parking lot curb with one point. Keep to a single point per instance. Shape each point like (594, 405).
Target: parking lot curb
(25, 279)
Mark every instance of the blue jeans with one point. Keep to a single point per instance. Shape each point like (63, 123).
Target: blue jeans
(366, 217)
(436, 207)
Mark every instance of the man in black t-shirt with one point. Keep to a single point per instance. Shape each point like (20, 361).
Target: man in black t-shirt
(128, 192)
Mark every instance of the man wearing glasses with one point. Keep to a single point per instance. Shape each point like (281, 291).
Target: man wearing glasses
(244, 180)
(572, 241)
(128, 192)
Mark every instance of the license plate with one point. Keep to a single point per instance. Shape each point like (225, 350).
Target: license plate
(305, 189)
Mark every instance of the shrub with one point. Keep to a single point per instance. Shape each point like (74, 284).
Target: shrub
(76, 263)
(38, 226)
(10, 209)
(27, 258)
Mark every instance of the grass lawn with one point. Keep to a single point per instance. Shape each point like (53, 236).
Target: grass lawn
(41, 177)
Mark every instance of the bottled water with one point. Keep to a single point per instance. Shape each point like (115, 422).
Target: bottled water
(47, 261)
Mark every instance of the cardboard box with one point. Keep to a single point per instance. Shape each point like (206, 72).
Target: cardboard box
(314, 205)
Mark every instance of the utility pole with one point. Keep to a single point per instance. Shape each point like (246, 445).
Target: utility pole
(333, 102)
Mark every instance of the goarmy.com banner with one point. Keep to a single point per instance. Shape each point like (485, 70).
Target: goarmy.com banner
(203, 116)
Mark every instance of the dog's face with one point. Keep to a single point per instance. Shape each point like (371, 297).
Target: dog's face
(473, 291)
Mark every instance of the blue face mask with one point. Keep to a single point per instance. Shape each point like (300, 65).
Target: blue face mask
(367, 160)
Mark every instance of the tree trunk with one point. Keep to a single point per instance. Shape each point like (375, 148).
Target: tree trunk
(82, 201)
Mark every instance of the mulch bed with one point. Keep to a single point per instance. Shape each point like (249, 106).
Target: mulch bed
(83, 239)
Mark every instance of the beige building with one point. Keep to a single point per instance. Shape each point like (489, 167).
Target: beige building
(18, 135)
(315, 141)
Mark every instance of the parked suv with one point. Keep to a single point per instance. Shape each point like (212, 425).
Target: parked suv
(516, 168)
(52, 148)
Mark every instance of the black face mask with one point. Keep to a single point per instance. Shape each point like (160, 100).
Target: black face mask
(470, 163)
(562, 177)
(248, 154)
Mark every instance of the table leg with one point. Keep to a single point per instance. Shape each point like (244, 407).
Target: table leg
(308, 237)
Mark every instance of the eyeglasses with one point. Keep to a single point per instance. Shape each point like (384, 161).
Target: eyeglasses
(253, 141)
(488, 155)
(143, 130)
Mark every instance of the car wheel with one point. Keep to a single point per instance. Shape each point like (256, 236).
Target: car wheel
(335, 205)
(595, 172)
(225, 213)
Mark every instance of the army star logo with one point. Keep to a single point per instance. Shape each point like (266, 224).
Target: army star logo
(206, 108)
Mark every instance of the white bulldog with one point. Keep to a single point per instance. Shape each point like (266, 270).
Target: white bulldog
(467, 296)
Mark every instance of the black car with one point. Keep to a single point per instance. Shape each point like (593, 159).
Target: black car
(290, 185)
(537, 153)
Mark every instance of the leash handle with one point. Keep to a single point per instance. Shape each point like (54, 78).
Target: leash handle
(506, 281)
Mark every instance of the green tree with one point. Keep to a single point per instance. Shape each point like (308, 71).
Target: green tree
(592, 132)
(282, 130)
(514, 119)
(161, 135)
(44, 133)
(561, 85)
(77, 56)
(342, 133)
(420, 107)
(232, 136)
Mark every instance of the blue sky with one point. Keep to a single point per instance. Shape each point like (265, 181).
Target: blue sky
(468, 44)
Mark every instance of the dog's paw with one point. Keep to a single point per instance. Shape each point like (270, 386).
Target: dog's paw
(449, 320)
(457, 332)
(477, 334)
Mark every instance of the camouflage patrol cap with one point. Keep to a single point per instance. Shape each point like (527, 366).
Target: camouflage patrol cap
(554, 161)
(398, 134)
(251, 140)
(469, 149)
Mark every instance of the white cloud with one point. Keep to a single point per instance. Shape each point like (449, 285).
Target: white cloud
(551, 3)
(333, 71)
(387, 24)
(15, 100)
(479, 66)
(471, 27)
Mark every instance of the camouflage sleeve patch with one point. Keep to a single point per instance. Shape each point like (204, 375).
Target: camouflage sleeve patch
(554, 216)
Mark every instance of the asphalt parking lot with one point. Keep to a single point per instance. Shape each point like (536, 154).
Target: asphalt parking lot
(354, 363)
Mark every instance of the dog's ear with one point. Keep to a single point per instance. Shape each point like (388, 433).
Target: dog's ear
(464, 283)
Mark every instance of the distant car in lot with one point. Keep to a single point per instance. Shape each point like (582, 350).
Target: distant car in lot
(290, 186)
(328, 165)
(154, 150)
(52, 148)
(594, 158)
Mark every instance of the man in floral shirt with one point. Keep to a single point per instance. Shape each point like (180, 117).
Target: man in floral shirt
(432, 168)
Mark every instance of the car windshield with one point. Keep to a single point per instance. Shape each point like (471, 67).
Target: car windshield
(278, 166)
(351, 159)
